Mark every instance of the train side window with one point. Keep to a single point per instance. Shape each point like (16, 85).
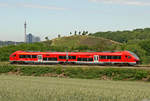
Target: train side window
(49, 59)
(28, 56)
(84, 59)
(45, 59)
(103, 57)
(52, 59)
(119, 57)
(62, 57)
(34, 56)
(79, 59)
(72, 57)
(116, 57)
(90, 59)
(22, 56)
(129, 57)
(109, 57)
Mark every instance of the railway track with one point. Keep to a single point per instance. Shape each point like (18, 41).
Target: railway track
(89, 66)
(97, 66)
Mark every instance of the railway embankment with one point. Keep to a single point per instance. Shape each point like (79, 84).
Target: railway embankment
(83, 72)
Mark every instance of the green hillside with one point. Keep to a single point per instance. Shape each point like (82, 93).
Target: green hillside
(125, 36)
(81, 42)
(71, 43)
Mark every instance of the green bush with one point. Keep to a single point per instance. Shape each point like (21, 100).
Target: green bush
(79, 72)
(140, 74)
(146, 60)
(6, 68)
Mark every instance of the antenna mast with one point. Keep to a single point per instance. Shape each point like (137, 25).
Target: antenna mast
(25, 28)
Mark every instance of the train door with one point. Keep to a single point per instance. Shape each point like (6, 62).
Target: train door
(40, 58)
(128, 58)
(96, 58)
(125, 58)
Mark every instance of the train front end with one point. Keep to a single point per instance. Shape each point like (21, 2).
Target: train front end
(136, 58)
(13, 58)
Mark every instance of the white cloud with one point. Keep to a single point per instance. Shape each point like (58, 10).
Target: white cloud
(41, 7)
(125, 2)
(31, 6)
(3, 4)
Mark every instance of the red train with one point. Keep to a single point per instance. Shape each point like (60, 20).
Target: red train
(101, 58)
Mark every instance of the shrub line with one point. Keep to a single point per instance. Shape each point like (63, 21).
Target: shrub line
(79, 72)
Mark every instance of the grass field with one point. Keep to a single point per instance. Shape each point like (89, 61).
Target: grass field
(22, 88)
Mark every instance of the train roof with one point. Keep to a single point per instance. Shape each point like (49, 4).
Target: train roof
(75, 53)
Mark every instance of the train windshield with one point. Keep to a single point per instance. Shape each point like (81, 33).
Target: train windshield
(134, 55)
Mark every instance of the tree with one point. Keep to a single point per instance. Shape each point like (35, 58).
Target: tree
(86, 32)
(79, 33)
(59, 36)
(145, 44)
(83, 33)
(90, 33)
(75, 33)
(70, 33)
(46, 38)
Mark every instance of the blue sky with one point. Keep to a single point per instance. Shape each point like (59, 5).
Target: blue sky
(53, 17)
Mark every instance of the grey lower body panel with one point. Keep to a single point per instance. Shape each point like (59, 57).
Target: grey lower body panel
(107, 63)
(73, 62)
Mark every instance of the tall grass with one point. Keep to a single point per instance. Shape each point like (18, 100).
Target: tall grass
(22, 88)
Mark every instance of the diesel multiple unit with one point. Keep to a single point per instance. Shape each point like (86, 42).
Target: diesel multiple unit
(100, 58)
